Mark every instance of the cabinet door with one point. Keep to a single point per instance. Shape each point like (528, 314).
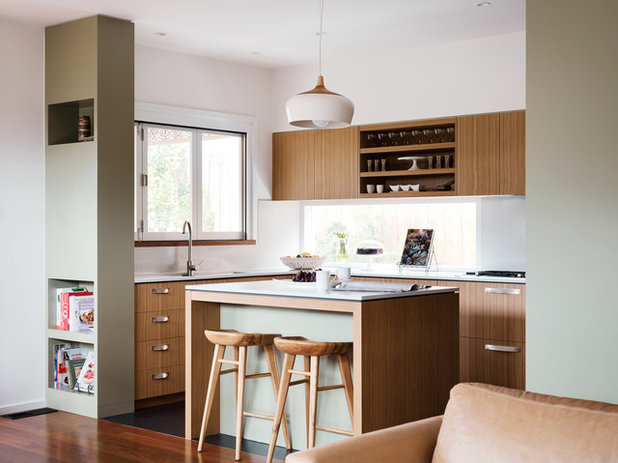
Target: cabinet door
(492, 311)
(477, 155)
(492, 362)
(336, 163)
(294, 165)
(513, 153)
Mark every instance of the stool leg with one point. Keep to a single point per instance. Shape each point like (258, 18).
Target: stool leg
(274, 378)
(307, 361)
(313, 398)
(215, 369)
(236, 375)
(242, 368)
(346, 378)
(288, 364)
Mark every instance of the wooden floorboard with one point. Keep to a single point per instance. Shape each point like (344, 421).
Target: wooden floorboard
(66, 438)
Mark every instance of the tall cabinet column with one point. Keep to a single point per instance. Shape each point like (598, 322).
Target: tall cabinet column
(89, 202)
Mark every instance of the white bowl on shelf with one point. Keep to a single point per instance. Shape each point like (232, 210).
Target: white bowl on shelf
(405, 187)
(414, 187)
(394, 187)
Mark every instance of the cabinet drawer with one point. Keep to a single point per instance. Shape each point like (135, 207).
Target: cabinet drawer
(159, 353)
(157, 296)
(159, 324)
(492, 311)
(492, 362)
(159, 381)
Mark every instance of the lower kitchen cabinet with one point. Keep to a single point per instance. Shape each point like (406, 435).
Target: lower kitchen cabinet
(492, 329)
(492, 362)
(160, 336)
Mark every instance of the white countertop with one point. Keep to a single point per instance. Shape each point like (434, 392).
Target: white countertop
(285, 288)
(378, 272)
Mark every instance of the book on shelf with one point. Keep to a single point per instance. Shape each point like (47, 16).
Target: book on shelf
(66, 357)
(81, 313)
(85, 380)
(74, 368)
(63, 298)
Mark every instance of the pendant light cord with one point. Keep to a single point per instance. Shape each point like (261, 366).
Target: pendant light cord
(321, 34)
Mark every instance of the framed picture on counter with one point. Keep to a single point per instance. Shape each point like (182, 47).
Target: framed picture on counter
(417, 248)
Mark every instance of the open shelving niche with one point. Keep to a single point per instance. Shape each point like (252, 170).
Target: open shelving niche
(81, 402)
(392, 141)
(63, 121)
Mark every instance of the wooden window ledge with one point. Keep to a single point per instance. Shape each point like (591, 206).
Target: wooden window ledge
(145, 244)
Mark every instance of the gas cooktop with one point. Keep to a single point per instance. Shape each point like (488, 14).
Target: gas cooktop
(498, 273)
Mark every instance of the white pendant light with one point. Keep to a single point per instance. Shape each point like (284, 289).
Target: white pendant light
(319, 107)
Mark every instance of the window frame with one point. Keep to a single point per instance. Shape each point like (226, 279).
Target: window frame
(197, 122)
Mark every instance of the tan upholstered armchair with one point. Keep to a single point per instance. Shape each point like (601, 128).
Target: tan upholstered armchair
(488, 424)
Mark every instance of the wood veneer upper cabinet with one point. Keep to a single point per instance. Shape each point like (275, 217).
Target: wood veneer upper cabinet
(513, 153)
(336, 163)
(294, 165)
(477, 159)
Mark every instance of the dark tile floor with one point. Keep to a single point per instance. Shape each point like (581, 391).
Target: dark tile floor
(170, 419)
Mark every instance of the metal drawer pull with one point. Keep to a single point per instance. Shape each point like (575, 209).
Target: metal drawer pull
(160, 319)
(161, 348)
(160, 290)
(160, 376)
(495, 348)
(502, 291)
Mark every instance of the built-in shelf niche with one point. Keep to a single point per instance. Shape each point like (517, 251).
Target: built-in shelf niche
(52, 342)
(63, 119)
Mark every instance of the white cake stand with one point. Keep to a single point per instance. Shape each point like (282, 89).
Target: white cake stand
(414, 160)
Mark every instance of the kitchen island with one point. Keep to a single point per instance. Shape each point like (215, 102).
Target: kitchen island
(406, 345)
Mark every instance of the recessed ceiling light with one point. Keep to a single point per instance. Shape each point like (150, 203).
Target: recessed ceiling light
(482, 4)
(161, 34)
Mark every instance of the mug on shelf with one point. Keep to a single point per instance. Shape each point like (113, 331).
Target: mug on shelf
(371, 188)
(380, 188)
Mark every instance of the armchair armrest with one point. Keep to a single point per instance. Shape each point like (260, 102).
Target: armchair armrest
(411, 443)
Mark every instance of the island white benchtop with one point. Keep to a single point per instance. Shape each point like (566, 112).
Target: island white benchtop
(286, 288)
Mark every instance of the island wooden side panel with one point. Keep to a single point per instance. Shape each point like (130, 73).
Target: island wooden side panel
(198, 317)
(409, 359)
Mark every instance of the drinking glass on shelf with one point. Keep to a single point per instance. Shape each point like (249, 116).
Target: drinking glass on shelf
(404, 137)
(382, 139)
(439, 135)
(439, 162)
(430, 162)
(383, 162)
(372, 140)
(447, 160)
(417, 136)
(376, 165)
(369, 165)
(450, 134)
(393, 138)
(427, 136)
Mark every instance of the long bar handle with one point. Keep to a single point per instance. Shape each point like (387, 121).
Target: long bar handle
(161, 348)
(160, 376)
(502, 291)
(164, 319)
(509, 349)
(160, 290)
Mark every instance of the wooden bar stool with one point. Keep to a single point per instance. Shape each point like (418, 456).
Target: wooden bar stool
(311, 351)
(240, 341)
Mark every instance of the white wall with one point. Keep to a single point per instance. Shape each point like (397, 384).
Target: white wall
(467, 77)
(572, 211)
(178, 79)
(22, 217)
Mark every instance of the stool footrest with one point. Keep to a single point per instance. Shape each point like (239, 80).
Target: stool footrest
(300, 381)
(336, 431)
(299, 372)
(230, 362)
(231, 370)
(328, 388)
(257, 375)
(259, 415)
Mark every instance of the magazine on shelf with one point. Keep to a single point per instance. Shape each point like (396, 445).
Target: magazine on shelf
(376, 286)
(74, 368)
(63, 297)
(85, 380)
(81, 313)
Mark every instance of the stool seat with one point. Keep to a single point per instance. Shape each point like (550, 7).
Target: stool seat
(297, 345)
(236, 338)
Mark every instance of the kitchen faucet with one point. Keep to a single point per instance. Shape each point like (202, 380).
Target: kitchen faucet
(190, 266)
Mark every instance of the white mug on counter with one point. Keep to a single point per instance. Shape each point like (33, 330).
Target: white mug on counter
(322, 280)
(343, 273)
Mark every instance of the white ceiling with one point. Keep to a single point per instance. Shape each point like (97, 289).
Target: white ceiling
(275, 33)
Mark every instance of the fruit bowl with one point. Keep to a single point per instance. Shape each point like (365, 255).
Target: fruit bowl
(303, 263)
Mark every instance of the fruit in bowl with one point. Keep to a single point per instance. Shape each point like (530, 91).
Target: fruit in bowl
(303, 261)
(304, 276)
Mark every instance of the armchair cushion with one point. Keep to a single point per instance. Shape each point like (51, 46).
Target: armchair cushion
(489, 424)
